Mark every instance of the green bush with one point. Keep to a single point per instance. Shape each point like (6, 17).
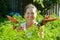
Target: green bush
(51, 30)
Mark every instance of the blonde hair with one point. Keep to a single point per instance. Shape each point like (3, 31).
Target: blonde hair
(30, 6)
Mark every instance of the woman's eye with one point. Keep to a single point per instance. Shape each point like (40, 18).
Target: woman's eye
(28, 13)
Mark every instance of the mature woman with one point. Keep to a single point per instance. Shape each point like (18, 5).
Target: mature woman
(30, 15)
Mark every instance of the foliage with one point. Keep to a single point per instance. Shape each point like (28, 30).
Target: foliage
(45, 5)
(39, 2)
(51, 30)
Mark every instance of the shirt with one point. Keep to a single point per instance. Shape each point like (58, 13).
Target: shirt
(24, 25)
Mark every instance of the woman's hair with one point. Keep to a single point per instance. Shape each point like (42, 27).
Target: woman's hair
(30, 6)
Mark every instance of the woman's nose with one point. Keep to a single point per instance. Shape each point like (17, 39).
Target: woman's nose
(30, 15)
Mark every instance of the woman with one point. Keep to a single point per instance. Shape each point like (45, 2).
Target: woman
(30, 16)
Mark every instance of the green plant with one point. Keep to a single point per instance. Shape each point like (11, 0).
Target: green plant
(51, 30)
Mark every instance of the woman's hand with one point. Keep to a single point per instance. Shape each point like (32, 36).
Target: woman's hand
(47, 19)
(12, 19)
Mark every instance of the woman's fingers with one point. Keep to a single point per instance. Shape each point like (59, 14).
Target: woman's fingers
(50, 19)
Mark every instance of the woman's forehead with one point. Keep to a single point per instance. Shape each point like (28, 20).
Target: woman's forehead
(31, 10)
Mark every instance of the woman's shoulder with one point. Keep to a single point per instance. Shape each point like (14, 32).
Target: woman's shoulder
(23, 24)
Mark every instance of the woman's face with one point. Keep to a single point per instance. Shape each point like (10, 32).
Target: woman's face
(30, 14)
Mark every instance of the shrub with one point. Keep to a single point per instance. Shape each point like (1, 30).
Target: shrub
(51, 31)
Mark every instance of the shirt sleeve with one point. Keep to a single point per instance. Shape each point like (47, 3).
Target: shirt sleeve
(23, 26)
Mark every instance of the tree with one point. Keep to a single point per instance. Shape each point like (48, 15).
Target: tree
(45, 5)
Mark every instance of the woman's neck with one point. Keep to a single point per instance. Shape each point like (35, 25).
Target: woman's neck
(30, 23)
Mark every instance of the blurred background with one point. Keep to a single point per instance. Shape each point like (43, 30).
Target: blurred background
(46, 7)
